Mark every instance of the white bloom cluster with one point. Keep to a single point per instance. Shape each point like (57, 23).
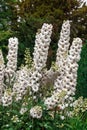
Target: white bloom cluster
(62, 76)
(58, 84)
(15, 119)
(40, 55)
(62, 117)
(21, 84)
(70, 78)
(79, 106)
(51, 102)
(34, 81)
(55, 100)
(75, 50)
(36, 112)
(66, 81)
(68, 75)
(7, 97)
(63, 44)
(1, 74)
(62, 53)
(42, 43)
(12, 56)
(23, 108)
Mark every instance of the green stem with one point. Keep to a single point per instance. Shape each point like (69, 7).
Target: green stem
(55, 113)
(33, 124)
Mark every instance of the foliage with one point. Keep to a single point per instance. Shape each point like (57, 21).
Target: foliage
(79, 16)
(82, 73)
(55, 12)
(11, 119)
(26, 32)
(6, 16)
(32, 14)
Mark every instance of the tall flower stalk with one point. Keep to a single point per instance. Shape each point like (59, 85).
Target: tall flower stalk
(2, 70)
(67, 61)
(12, 57)
(42, 43)
(63, 44)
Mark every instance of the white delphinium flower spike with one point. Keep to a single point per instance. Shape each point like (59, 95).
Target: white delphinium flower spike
(2, 68)
(42, 43)
(63, 44)
(70, 79)
(68, 66)
(12, 56)
(67, 81)
(62, 53)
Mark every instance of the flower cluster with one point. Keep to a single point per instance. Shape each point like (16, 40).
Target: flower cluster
(79, 106)
(63, 44)
(7, 97)
(12, 56)
(23, 108)
(28, 59)
(34, 82)
(55, 100)
(15, 119)
(42, 43)
(68, 66)
(36, 112)
(62, 53)
(20, 86)
(2, 66)
(68, 75)
(70, 79)
(31, 82)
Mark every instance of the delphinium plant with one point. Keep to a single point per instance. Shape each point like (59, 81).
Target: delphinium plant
(32, 97)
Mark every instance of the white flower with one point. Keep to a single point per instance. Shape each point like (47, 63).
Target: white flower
(36, 112)
(15, 119)
(62, 117)
(35, 88)
(34, 81)
(23, 108)
(7, 98)
(55, 100)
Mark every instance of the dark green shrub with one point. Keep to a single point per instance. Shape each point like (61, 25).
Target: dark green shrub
(82, 73)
